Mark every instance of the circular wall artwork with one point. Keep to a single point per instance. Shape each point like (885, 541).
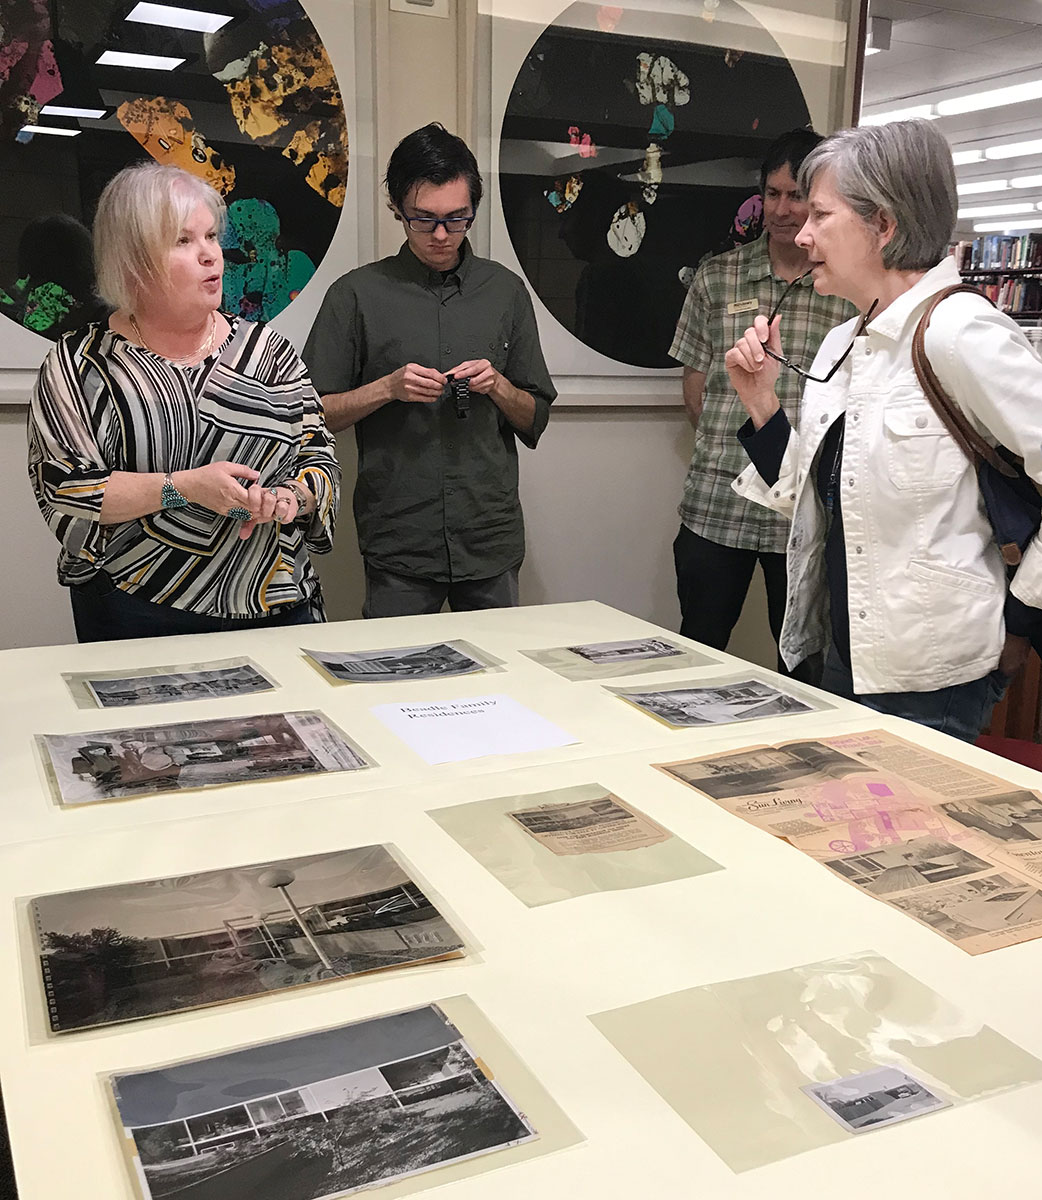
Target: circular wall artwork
(626, 158)
(241, 93)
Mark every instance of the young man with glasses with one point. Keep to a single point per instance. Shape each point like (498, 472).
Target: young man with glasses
(722, 536)
(433, 356)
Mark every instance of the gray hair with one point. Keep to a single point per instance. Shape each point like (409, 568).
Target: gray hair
(903, 169)
(140, 214)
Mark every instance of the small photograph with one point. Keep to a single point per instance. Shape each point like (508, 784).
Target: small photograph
(908, 865)
(113, 763)
(599, 826)
(741, 700)
(439, 660)
(617, 652)
(992, 905)
(170, 687)
(767, 769)
(875, 1098)
(144, 949)
(1011, 817)
(322, 1115)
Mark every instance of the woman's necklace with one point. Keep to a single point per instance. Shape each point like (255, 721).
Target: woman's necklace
(185, 360)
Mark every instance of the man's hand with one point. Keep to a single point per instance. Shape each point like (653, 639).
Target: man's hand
(1014, 655)
(753, 373)
(481, 374)
(416, 384)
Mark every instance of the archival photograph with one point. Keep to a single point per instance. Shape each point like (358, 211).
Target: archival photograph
(617, 652)
(599, 826)
(169, 687)
(875, 1098)
(979, 914)
(1010, 817)
(322, 1115)
(157, 946)
(113, 763)
(742, 700)
(907, 865)
(438, 660)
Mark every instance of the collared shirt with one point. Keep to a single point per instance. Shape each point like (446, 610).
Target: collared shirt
(104, 404)
(709, 326)
(436, 496)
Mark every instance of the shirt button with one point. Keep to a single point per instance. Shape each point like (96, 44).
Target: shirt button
(868, 349)
(850, 482)
(777, 495)
(859, 550)
(862, 614)
(824, 418)
(920, 422)
(855, 416)
(446, 349)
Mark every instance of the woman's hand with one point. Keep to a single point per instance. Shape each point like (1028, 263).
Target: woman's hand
(1014, 655)
(753, 373)
(268, 504)
(218, 486)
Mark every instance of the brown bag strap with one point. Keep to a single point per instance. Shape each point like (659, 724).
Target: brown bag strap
(970, 442)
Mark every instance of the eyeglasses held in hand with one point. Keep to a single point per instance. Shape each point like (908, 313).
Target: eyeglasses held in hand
(802, 371)
(430, 224)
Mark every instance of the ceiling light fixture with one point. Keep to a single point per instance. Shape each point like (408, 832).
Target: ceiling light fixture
(963, 158)
(150, 62)
(58, 130)
(995, 210)
(877, 35)
(1006, 226)
(173, 17)
(901, 114)
(976, 186)
(996, 98)
(64, 110)
(1014, 149)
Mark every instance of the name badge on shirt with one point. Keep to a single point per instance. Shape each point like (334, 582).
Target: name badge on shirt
(741, 306)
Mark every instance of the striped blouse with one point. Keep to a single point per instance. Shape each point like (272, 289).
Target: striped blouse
(103, 404)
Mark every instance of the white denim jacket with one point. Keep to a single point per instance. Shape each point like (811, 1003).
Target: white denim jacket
(926, 582)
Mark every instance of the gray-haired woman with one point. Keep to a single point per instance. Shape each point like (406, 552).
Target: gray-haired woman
(892, 559)
(179, 456)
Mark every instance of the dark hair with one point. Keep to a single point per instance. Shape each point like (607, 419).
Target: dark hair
(431, 155)
(788, 150)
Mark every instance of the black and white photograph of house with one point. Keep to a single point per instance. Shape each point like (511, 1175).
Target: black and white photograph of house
(875, 1098)
(143, 949)
(738, 700)
(908, 865)
(436, 660)
(110, 764)
(168, 687)
(626, 651)
(322, 1115)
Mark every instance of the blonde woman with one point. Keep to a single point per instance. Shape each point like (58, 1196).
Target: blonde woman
(179, 455)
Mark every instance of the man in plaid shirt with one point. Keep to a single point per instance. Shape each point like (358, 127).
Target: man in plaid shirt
(722, 536)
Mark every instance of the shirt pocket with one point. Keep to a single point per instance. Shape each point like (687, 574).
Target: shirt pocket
(921, 454)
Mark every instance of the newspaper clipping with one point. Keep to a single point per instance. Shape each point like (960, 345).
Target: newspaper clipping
(723, 703)
(955, 848)
(111, 764)
(598, 826)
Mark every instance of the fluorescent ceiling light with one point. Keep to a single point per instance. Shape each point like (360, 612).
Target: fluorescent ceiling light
(62, 110)
(1013, 149)
(178, 18)
(962, 158)
(995, 210)
(995, 98)
(900, 114)
(151, 62)
(58, 130)
(976, 186)
(1006, 227)
(1027, 181)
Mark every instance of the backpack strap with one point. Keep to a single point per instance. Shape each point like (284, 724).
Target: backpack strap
(970, 442)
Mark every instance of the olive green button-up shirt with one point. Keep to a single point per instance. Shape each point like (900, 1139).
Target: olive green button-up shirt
(436, 496)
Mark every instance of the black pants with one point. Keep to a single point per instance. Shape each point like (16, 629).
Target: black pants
(712, 583)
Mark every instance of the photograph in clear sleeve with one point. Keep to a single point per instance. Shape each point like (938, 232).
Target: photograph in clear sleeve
(626, 651)
(610, 660)
(156, 946)
(598, 826)
(882, 1096)
(435, 660)
(720, 704)
(111, 764)
(321, 1115)
(170, 687)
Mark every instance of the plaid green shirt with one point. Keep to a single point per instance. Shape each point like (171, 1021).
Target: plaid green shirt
(707, 329)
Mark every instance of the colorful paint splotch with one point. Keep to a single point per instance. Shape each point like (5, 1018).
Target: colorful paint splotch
(565, 192)
(260, 280)
(278, 81)
(166, 130)
(29, 75)
(320, 148)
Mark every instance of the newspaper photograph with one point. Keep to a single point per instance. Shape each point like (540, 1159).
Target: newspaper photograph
(157, 946)
(169, 687)
(320, 1115)
(438, 660)
(111, 764)
(874, 1098)
(903, 824)
(616, 652)
(722, 704)
(598, 826)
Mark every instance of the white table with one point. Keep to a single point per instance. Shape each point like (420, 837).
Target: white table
(536, 973)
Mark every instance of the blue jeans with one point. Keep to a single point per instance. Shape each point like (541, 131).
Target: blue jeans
(391, 595)
(103, 612)
(961, 710)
